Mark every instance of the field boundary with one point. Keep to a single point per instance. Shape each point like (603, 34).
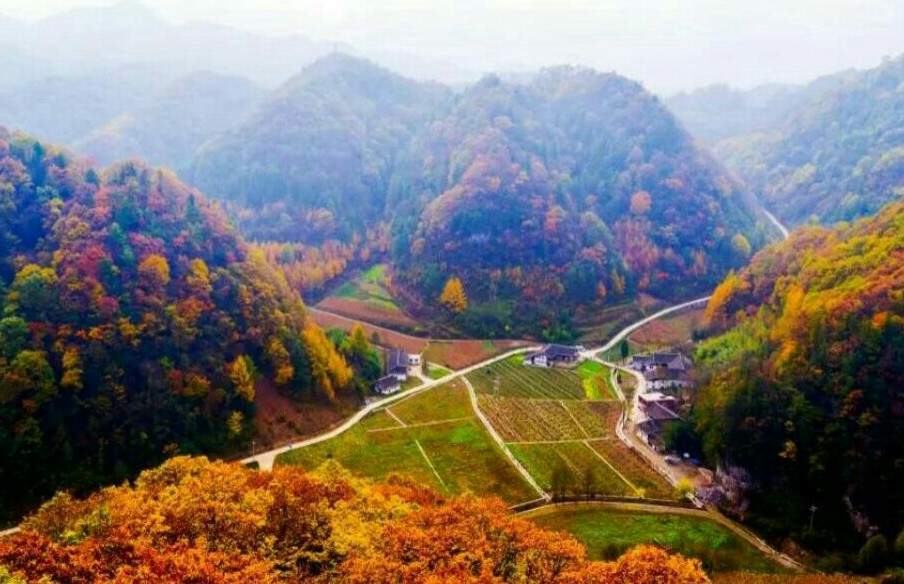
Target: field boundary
(420, 425)
(393, 415)
(609, 464)
(442, 483)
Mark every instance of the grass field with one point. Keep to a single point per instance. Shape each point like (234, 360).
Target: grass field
(435, 371)
(461, 354)
(597, 381)
(524, 381)
(442, 444)
(607, 533)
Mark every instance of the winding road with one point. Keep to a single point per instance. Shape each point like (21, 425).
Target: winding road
(266, 459)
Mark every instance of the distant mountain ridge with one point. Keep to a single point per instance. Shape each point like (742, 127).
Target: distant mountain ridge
(837, 154)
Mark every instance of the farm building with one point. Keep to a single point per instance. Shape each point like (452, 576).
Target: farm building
(664, 370)
(552, 355)
(397, 364)
(656, 411)
(388, 385)
(401, 364)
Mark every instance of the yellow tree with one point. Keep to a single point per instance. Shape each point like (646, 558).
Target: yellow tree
(243, 374)
(453, 296)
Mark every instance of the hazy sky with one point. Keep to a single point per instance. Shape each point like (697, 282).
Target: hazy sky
(667, 44)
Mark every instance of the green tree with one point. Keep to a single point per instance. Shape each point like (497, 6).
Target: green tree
(873, 556)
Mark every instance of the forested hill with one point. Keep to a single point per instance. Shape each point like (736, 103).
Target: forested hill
(132, 321)
(576, 188)
(806, 387)
(572, 188)
(838, 156)
(316, 161)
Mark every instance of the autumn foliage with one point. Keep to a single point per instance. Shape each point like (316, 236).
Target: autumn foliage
(195, 521)
(133, 324)
(805, 388)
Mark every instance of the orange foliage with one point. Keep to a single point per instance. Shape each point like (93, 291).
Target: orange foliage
(195, 521)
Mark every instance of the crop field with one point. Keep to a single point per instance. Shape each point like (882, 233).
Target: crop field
(607, 533)
(524, 381)
(597, 381)
(446, 402)
(671, 331)
(634, 468)
(541, 460)
(597, 418)
(523, 420)
(442, 443)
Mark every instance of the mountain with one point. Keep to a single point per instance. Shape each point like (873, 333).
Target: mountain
(719, 112)
(133, 321)
(805, 388)
(316, 160)
(65, 109)
(128, 32)
(170, 129)
(838, 156)
(575, 188)
(566, 190)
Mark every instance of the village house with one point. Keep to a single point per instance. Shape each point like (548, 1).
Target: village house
(664, 370)
(388, 385)
(552, 355)
(657, 410)
(399, 366)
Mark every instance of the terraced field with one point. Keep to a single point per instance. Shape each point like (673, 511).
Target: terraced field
(434, 437)
(635, 469)
(523, 381)
(542, 460)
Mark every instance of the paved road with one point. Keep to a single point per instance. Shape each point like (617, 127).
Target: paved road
(267, 458)
(777, 223)
(623, 334)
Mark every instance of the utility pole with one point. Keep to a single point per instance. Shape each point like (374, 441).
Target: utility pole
(813, 510)
(496, 387)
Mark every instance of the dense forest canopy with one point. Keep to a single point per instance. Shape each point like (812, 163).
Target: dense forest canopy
(571, 188)
(575, 188)
(805, 388)
(194, 521)
(838, 156)
(133, 321)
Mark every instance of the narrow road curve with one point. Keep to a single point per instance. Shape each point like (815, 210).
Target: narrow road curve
(663, 510)
(777, 223)
(9, 532)
(266, 459)
(623, 334)
(498, 440)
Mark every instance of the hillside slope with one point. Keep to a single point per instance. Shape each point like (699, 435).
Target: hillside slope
(806, 388)
(315, 161)
(133, 319)
(169, 130)
(838, 156)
